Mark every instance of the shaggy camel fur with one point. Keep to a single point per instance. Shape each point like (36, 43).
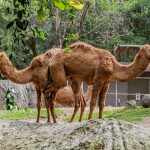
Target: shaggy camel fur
(37, 73)
(97, 67)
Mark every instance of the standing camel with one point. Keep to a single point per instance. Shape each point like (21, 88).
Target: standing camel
(37, 73)
(97, 67)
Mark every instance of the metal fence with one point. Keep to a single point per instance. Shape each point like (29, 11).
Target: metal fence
(121, 92)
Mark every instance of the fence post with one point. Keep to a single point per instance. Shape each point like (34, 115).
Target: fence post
(116, 93)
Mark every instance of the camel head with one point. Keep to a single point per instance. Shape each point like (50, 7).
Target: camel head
(145, 51)
(52, 52)
(37, 61)
(4, 60)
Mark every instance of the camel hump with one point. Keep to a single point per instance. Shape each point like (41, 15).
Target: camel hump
(82, 47)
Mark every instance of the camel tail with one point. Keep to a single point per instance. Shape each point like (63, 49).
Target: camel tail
(49, 76)
(49, 79)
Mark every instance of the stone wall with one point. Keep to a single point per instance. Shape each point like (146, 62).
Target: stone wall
(25, 95)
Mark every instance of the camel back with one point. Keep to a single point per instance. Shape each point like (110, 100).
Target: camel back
(87, 48)
(82, 47)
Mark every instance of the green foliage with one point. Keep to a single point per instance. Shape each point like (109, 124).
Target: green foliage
(10, 100)
(67, 4)
(32, 25)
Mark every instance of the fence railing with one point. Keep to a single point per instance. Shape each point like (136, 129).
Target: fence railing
(121, 92)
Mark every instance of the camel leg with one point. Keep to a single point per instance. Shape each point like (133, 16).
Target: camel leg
(46, 97)
(76, 89)
(51, 104)
(102, 97)
(83, 105)
(95, 92)
(39, 104)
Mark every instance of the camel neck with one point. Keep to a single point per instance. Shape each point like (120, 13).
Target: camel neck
(18, 76)
(131, 71)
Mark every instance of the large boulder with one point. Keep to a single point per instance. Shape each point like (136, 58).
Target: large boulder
(95, 135)
(146, 101)
(24, 94)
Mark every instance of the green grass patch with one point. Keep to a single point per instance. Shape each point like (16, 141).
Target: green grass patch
(26, 114)
(127, 114)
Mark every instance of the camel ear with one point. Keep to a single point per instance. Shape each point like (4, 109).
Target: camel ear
(40, 62)
(49, 54)
(2, 55)
(142, 48)
(36, 62)
(73, 47)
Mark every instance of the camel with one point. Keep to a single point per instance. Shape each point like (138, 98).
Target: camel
(97, 67)
(36, 73)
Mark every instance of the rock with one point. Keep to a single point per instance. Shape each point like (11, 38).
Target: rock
(25, 95)
(99, 134)
(146, 101)
(131, 104)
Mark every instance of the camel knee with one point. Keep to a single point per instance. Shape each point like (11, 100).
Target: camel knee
(92, 103)
(77, 106)
(83, 105)
(101, 104)
(39, 105)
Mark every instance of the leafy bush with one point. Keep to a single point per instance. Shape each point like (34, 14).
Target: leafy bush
(10, 99)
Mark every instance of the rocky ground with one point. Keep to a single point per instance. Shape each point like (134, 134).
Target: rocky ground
(88, 135)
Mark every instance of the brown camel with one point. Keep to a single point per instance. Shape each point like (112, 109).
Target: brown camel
(37, 73)
(97, 67)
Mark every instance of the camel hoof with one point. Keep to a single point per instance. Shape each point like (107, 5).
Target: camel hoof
(70, 121)
(55, 121)
(48, 121)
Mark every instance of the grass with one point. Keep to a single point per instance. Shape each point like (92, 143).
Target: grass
(25, 114)
(127, 114)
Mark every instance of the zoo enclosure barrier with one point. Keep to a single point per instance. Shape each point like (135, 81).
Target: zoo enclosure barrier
(121, 92)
